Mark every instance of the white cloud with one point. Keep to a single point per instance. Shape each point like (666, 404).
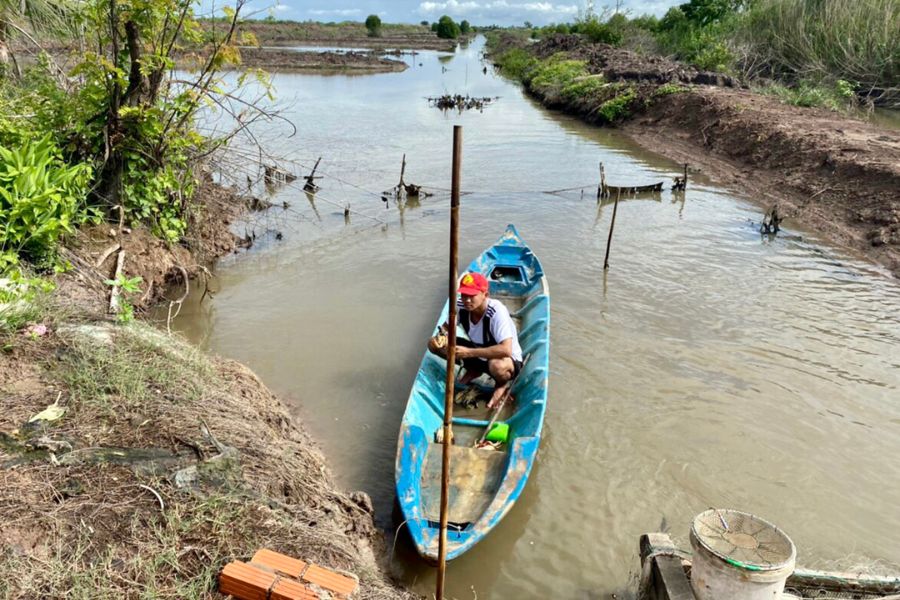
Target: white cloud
(340, 12)
(497, 7)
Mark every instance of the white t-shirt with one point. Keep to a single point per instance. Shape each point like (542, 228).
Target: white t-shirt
(502, 327)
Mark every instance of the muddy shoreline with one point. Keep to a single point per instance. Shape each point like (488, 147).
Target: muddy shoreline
(830, 173)
(834, 175)
(160, 449)
(278, 59)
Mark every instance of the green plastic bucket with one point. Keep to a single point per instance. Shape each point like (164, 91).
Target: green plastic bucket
(499, 432)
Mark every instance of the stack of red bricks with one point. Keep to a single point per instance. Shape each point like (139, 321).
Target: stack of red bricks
(273, 576)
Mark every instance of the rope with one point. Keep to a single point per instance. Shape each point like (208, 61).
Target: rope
(424, 186)
(513, 192)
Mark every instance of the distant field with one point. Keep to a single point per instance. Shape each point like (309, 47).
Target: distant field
(287, 33)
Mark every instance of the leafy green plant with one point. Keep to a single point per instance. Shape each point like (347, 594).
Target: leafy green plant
(516, 63)
(128, 287)
(41, 199)
(619, 107)
(584, 86)
(22, 300)
(556, 73)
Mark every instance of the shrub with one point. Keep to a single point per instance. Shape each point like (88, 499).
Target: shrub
(619, 107)
(584, 86)
(373, 25)
(41, 199)
(465, 28)
(599, 32)
(516, 63)
(447, 28)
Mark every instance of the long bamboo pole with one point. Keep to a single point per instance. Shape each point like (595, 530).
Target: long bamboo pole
(451, 359)
(612, 225)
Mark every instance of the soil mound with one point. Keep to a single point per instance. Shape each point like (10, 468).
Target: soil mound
(164, 466)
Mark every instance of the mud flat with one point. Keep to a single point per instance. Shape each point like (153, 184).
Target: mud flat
(837, 175)
(279, 59)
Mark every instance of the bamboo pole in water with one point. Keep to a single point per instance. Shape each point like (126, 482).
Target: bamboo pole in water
(451, 359)
(612, 225)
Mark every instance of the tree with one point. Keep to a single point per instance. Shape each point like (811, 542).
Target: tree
(373, 24)
(528, 25)
(447, 28)
(423, 23)
(465, 28)
(434, 26)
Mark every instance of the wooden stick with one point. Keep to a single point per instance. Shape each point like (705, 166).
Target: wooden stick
(451, 359)
(601, 190)
(310, 185)
(685, 175)
(501, 404)
(106, 254)
(612, 225)
(114, 294)
(402, 172)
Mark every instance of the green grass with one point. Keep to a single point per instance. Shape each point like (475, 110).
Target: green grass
(835, 97)
(668, 89)
(132, 373)
(197, 537)
(849, 40)
(556, 73)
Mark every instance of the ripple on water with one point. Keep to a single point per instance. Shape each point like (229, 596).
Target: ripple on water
(709, 365)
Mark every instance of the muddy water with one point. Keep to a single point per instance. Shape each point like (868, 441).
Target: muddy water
(709, 366)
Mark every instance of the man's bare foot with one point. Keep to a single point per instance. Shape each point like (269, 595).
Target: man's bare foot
(468, 377)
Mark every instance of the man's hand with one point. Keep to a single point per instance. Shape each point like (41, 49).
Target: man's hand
(462, 352)
(438, 345)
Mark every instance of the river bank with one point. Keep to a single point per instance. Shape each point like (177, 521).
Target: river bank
(832, 173)
(347, 34)
(278, 59)
(156, 464)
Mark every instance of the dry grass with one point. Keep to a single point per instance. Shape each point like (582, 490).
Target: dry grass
(87, 523)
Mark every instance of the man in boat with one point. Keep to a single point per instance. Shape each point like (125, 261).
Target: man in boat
(493, 344)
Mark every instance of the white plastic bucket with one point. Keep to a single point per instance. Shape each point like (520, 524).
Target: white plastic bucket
(717, 575)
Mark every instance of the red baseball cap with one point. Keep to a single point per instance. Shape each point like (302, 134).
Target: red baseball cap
(473, 283)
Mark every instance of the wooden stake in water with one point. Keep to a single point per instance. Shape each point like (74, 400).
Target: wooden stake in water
(451, 359)
(612, 225)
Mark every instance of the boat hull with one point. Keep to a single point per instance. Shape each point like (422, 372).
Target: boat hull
(484, 484)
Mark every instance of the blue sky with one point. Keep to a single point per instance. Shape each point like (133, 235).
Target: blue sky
(477, 12)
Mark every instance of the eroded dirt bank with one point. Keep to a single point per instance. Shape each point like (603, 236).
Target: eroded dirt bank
(836, 175)
(278, 59)
(156, 464)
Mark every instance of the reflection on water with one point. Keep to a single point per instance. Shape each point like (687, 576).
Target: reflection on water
(708, 366)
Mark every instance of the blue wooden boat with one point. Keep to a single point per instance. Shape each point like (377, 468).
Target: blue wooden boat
(484, 483)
